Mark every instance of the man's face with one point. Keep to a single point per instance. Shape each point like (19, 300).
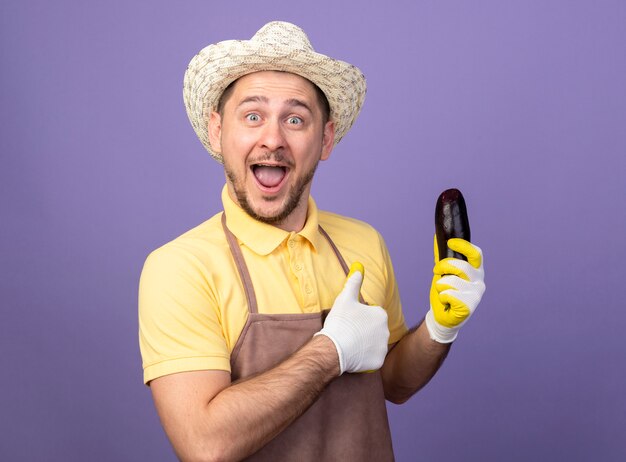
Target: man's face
(271, 135)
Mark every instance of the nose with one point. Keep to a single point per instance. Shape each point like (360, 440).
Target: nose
(272, 136)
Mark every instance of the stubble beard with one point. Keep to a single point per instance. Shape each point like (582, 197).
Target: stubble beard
(293, 197)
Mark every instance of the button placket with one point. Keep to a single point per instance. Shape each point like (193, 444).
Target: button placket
(307, 282)
(299, 263)
(294, 254)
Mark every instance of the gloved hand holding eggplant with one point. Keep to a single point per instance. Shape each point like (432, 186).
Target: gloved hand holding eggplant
(458, 282)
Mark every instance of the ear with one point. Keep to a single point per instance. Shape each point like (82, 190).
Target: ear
(328, 140)
(215, 131)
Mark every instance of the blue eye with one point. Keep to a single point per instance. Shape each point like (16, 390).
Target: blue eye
(253, 117)
(294, 120)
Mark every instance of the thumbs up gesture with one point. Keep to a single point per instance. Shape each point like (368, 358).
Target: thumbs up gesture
(359, 331)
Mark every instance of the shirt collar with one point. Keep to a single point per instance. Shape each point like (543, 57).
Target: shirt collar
(261, 237)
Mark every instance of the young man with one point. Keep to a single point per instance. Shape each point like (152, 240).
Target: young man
(240, 351)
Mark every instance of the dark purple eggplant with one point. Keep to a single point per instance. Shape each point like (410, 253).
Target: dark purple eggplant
(451, 221)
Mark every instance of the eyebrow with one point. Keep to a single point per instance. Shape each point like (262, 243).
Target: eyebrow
(253, 99)
(292, 102)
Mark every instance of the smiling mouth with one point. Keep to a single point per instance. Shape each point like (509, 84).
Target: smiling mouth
(269, 176)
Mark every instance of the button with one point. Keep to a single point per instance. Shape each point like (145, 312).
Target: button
(308, 289)
(291, 243)
(298, 267)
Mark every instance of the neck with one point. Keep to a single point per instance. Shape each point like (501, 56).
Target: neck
(295, 221)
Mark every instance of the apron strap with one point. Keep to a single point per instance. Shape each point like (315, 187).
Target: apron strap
(339, 257)
(244, 274)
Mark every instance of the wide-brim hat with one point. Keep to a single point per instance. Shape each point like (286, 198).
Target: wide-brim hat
(277, 46)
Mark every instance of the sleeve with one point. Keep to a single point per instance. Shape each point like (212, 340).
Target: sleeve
(393, 304)
(179, 320)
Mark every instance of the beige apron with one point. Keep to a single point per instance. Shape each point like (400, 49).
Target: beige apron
(349, 420)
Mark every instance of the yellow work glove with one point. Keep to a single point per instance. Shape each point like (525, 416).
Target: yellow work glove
(359, 331)
(456, 290)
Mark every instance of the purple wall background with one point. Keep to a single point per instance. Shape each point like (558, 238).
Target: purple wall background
(522, 105)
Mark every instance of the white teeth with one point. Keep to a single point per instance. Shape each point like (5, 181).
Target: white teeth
(269, 165)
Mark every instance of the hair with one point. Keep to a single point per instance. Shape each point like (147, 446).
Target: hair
(321, 99)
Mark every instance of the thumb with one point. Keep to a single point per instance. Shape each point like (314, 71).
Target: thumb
(354, 280)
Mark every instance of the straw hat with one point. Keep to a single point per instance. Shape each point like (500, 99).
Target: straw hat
(278, 46)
